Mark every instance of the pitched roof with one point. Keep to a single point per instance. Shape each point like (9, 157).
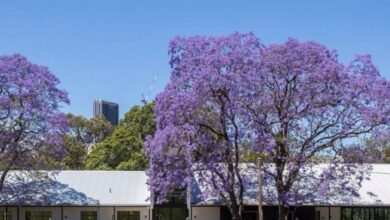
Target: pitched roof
(129, 188)
(86, 188)
(374, 189)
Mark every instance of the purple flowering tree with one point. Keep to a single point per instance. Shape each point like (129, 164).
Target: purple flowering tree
(31, 123)
(294, 103)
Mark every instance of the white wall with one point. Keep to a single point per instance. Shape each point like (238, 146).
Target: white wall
(335, 213)
(324, 213)
(73, 213)
(205, 213)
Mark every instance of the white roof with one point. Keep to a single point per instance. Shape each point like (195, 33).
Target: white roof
(374, 190)
(104, 188)
(129, 188)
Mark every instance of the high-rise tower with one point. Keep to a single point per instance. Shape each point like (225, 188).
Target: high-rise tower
(109, 110)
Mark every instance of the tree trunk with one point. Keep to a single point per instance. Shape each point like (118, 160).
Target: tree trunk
(282, 212)
(2, 179)
(260, 180)
(235, 212)
(236, 216)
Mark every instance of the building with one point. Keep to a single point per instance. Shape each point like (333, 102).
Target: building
(78, 195)
(109, 110)
(124, 195)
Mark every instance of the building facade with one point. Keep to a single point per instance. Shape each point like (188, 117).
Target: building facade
(109, 110)
(124, 195)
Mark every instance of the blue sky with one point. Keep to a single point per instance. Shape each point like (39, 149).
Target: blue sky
(114, 49)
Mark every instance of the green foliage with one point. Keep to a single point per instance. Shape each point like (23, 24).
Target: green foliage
(379, 149)
(75, 154)
(83, 134)
(386, 156)
(89, 131)
(384, 147)
(137, 161)
(248, 155)
(124, 149)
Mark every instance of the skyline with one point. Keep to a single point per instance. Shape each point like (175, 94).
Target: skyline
(115, 51)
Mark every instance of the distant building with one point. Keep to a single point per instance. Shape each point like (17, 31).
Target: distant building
(109, 110)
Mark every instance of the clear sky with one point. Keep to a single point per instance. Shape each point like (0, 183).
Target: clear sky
(114, 49)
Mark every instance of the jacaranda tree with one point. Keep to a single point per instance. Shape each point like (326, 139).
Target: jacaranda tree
(31, 123)
(293, 103)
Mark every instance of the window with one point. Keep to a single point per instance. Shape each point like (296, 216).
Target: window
(176, 198)
(88, 215)
(347, 214)
(174, 209)
(388, 214)
(249, 215)
(178, 214)
(170, 213)
(129, 215)
(162, 213)
(371, 213)
(38, 215)
(3, 217)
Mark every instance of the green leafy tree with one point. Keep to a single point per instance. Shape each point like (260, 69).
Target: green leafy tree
(75, 153)
(382, 150)
(124, 149)
(377, 148)
(83, 135)
(386, 155)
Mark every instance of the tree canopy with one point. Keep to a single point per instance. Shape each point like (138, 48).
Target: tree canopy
(124, 149)
(82, 136)
(291, 102)
(31, 123)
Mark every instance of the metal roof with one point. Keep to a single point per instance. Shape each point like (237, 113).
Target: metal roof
(129, 188)
(374, 190)
(84, 188)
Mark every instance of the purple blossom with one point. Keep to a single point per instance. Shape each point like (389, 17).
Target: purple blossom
(31, 123)
(293, 102)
